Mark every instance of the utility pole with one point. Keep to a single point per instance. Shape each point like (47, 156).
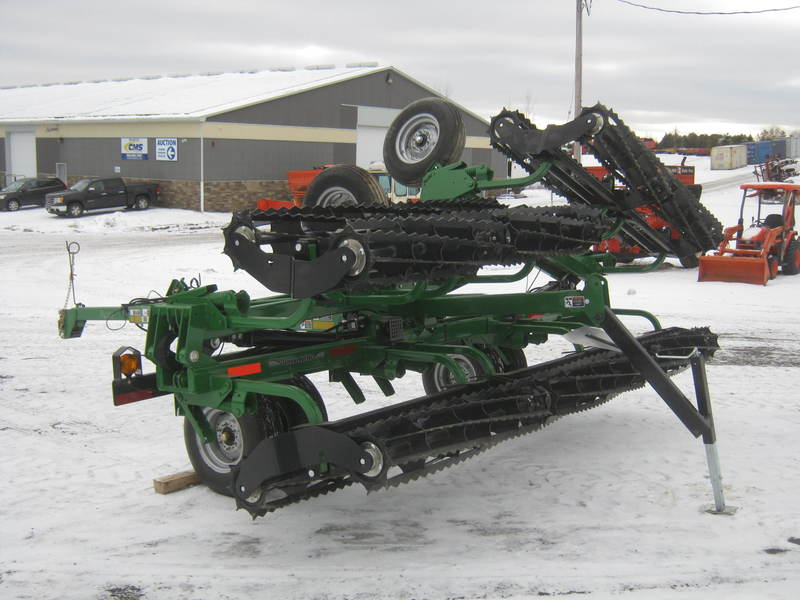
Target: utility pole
(579, 4)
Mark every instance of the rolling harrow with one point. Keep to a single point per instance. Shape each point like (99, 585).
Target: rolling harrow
(375, 289)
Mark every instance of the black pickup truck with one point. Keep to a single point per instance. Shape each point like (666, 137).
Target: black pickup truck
(98, 193)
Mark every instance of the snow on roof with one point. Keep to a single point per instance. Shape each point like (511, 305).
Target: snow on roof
(189, 97)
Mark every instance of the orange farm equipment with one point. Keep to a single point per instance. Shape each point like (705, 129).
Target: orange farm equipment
(753, 254)
(626, 250)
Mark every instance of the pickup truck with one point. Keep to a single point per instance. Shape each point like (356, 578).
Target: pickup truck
(28, 191)
(98, 193)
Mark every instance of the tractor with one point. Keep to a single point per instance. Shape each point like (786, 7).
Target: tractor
(753, 254)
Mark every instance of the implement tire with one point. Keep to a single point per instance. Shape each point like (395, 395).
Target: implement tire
(344, 185)
(438, 377)
(427, 132)
(236, 436)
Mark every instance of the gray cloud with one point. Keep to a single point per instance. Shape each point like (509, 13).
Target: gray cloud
(657, 70)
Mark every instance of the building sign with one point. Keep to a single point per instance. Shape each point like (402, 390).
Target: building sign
(167, 149)
(134, 148)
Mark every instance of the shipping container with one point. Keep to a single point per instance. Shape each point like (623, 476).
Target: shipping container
(728, 157)
(758, 152)
(779, 148)
(793, 147)
(761, 152)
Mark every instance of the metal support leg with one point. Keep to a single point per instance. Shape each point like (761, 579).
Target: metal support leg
(698, 363)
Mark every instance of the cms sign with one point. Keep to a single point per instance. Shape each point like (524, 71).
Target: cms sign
(133, 148)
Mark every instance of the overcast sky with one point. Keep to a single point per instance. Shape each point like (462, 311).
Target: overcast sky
(659, 71)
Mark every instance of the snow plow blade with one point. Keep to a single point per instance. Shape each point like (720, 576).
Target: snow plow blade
(738, 269)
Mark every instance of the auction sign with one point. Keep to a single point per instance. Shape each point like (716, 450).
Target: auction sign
(167, 149)
(134, 148)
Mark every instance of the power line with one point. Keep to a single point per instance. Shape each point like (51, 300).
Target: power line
(693, 12)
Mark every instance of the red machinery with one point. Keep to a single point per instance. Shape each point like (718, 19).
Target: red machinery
(753, 254)
(625, 252)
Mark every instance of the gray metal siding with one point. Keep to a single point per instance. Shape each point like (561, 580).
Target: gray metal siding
(225, 160)
(47, 155)
(242, 160)
(321, 107)
(99, 156)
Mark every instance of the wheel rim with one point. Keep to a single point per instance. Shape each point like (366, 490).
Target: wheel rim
(361, 256)
(228, 446)
(337, 196)
(141, 204)
(417, 138)
(75, 210)
(12, 205)
(443, 377)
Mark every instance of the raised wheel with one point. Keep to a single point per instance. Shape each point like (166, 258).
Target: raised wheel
(74, 209)
(12, 204)
(791, 260)
(438, 377)
(235, 437)
(141, 203)
(426, 132)
(344, 185)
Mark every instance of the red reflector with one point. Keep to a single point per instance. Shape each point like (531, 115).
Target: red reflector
(343, 350)
(134, 396)
(249, 369)
(535, 315)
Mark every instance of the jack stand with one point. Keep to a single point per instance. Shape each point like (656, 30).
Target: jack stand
(698, 363)
(699, 421)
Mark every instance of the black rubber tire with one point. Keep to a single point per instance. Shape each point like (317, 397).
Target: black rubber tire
(690, 261)
(791, 260)
(437, 377)
(409, 149)
(12, 205)
(274, 416)
(141, 202)
(772, 265)
(344, 185)
(511, 359)
(74, 209)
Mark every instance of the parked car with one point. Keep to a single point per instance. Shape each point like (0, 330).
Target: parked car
(28, 191)
(97, 193)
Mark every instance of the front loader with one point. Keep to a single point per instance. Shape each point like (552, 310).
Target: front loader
(753, 254)
(361, 288)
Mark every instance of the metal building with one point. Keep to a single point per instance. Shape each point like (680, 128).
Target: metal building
(217, 141)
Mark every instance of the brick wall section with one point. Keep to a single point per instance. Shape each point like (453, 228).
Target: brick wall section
(221, 196)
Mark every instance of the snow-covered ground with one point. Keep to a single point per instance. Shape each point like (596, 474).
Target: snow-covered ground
(604, 504)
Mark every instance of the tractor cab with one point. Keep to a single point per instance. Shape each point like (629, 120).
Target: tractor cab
(753, 253)
(770, 206)
(396, 191)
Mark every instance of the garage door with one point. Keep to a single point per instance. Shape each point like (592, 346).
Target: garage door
(21, 153)
(373, 122)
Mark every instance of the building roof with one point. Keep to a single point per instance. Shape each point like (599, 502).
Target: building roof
(190, 97)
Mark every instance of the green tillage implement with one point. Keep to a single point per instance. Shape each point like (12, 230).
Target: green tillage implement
(369, 289)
